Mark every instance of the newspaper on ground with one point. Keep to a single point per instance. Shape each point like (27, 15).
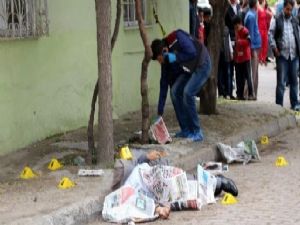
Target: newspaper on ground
(206, 186)
(244, 152)
(127, 204)
(167, 183)
(192, 202)
(159, 131)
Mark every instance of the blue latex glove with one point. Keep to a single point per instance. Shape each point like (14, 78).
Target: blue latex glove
(170, 57)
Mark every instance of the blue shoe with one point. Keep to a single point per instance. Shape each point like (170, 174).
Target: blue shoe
(196, 136)
(182, 134)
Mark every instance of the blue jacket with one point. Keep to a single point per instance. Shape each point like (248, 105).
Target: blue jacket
(189, 55)
(252, 25)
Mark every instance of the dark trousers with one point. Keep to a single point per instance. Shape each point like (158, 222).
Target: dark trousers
(224, 80)
(243, 74)
(287, 69)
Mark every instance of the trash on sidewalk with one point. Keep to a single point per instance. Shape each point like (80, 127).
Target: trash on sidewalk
(86, 172)
(54, 165)
(244, 152)
(228, 199)
(66, 183)
(281, 162)
(215, 167)
(127, 204)
(159, 131)
(28, 173)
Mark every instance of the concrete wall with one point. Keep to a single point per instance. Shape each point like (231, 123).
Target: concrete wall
(46, 84)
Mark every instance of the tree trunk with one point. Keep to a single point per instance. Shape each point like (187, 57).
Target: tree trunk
(105, 148)
(144, 73)
(208, 96)
(90, 130)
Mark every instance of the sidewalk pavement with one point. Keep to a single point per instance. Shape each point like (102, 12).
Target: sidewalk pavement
(40, 202)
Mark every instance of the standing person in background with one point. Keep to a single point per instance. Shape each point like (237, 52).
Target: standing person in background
(263, 30)
(194, 21)
(252, 25)
(242, 57)
(279, 7)
(285, 42)
(201, 26)
(226, 56)
(298, 16)
(233, 10)
(207, 13)
(298, 9)
(244, 9)
(269, 18)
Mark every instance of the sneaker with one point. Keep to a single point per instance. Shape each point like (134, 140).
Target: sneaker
(182, 134)
(196, 136)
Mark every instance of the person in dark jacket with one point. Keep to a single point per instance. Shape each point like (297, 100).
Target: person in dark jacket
(185, 67)
(285, 43)
(226, 56)
(234, 9)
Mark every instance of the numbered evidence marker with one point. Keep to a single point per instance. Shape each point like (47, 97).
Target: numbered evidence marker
(54, 165)
(28, 173)
(125, 153)
(297, 113)
(264, 140)
(229, 199)
(281, 162)
(66, 183)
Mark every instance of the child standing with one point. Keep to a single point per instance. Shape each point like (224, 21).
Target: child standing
(242, 57)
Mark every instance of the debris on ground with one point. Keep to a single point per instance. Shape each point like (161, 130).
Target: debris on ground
(92, 173)
(244, 152)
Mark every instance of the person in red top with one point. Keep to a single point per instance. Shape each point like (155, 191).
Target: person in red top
(263, 24)
(242, 57)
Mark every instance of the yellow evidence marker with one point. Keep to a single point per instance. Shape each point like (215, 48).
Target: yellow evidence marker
(27, 173)
(125, 153)
(66, 183)
(54, 165)
(229, 199)
(264, 140)
(281, 162)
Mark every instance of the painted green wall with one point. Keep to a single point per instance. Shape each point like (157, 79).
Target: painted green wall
(46, 84)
